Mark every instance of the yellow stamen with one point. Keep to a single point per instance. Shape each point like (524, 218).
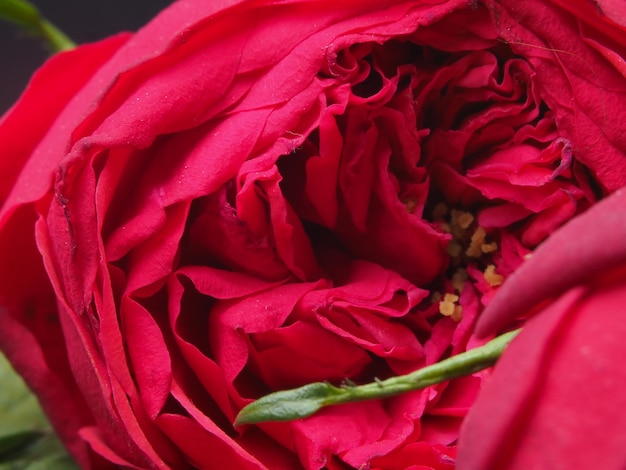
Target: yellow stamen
(478, 239)
(462, 219)
(454, 249)
(489, 247)
(459, 278)
(449, 308)
(493, 278)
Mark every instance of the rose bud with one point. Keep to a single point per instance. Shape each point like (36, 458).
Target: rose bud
(245, 197)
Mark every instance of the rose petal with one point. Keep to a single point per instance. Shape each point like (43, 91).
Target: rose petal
(552, 399)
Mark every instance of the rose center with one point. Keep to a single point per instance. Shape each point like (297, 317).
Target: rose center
(426, 178)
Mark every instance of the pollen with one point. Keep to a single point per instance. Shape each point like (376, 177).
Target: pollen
(476, 242)
(468, 246)
(462, 219)
(488, 247)
(493, 278)
(448, 307)
(459, 278)
(454, 249)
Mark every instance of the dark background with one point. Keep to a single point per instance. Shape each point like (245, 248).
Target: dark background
(82, 20)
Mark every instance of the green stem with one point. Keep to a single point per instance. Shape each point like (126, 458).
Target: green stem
(28, 17)
(56, 40)
(304, 401)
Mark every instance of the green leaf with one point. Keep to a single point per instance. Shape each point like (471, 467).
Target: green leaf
(27, 440)
(26, 16)
(288, 404)
(45, 454)
(60, 461)
(304, 401)
(15, 441)
(19, 410)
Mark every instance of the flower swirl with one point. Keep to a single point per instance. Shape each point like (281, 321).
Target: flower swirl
(251, 197)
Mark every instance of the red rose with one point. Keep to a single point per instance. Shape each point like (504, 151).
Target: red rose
(253, 196)
(555, 399)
